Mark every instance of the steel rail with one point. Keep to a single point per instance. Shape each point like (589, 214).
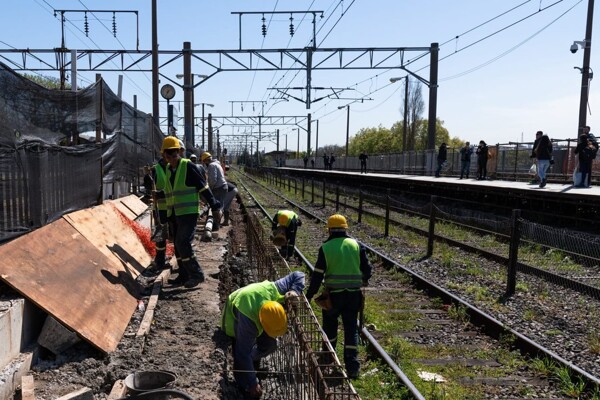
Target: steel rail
(492, 326)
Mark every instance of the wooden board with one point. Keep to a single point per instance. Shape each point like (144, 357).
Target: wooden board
(60, 271)
(105, 229)
(132, 202)
(123, 208)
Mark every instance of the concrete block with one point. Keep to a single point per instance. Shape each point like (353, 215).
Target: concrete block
(11, 374)
(11, 328)
(56, 337)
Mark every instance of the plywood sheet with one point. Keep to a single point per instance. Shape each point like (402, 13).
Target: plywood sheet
(105, 229)
(123, 209)
(134, 204)
(59, 270)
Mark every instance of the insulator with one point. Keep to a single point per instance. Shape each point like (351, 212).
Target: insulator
(114, 25)
(291, 26)
(86, 25)
(264, 26)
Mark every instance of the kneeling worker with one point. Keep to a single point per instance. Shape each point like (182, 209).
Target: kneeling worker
(253, 316)
(344, 265)
(288, 221)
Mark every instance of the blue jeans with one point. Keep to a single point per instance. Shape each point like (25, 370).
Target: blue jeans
(347, 304)
(465, 167)
(542, 167)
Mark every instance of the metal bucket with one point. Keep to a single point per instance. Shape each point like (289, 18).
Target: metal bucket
(145, 381)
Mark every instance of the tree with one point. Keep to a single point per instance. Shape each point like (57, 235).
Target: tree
(46, 81)
(416, 106)
(374, 140)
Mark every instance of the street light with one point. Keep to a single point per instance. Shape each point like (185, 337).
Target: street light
(586, 44)
(405, 123)
(188, 106)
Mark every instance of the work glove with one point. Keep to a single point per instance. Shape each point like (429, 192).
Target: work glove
(292, 297)
(255, 391)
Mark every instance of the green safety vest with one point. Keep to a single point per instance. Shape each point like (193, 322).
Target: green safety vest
(249, 300)
(342, 256)
(181, 198)
(161, 184)
(289, 214)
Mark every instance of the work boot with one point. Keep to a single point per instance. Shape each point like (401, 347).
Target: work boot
(182, 278)
(225, 218)
(196, 276)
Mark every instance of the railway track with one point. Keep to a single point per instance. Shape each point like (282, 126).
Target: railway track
(443, 334)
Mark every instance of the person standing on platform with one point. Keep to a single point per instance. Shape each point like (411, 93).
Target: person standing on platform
(184, 184)
(465, 160)
(343, 265)
(482, 158)
(441, 159)
(331, 161)
(325, 161)
(363, 162)
(543, 155)
(594, 142)
(586, 152)
(305, 159)
(538, 136)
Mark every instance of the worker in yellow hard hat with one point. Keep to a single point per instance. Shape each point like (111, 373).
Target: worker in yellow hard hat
(343, 265)
(254, 317)
(284, 227)
(184, 183)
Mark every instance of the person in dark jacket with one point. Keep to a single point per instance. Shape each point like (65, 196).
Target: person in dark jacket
(465, 160)
(533, 156)
(363, 157)
(586, 151)
(342, 263)
(325, 161)
(543, 154)
(441, 159)
(482, 159)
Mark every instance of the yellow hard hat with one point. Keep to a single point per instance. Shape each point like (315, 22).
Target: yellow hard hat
(282, 219)
(273, 318)
(205, 155)
(170, 142)
(337, 221)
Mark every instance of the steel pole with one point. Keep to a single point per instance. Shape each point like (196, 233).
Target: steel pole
(585, 72)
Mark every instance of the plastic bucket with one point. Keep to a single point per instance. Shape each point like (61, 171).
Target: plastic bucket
(144, 381)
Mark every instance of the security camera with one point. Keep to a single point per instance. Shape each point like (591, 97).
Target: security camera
(574, 48)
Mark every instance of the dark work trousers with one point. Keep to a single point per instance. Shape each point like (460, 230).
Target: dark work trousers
(183, 228)
(161, 247)
(481, 169)
(585, 167)
(347, 304)
(290, 234)
(363, 167)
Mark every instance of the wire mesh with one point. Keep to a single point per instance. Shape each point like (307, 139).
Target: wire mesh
(305, 365)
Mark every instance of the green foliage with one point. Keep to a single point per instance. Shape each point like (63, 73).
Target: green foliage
(46, 81)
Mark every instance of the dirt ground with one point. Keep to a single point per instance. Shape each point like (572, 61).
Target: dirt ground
(184, 337)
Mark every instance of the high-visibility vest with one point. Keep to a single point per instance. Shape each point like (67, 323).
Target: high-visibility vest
(249, 300)
(181, 198)
(342, 256)
(161, 184)
(290, 214)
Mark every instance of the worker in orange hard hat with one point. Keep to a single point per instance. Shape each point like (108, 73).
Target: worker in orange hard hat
(343, 265)
(254, 317)
(285, 226)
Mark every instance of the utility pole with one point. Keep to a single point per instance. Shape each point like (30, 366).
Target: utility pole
(433, 84)
(155, 109)
(405, 125)
(585, 73)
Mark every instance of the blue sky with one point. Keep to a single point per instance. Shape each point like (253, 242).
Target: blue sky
(505, 87)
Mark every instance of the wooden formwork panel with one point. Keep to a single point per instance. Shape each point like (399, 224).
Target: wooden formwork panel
(133, 203)
(59, 270)
(105, 229)
(126, 211)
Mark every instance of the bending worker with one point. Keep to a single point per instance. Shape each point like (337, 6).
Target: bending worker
(290, 221)
(343, 264)
(254, 317)
(183, 185)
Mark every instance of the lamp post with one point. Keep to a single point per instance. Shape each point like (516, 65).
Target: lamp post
(586, 44)
(188, 106)
(298, 145)
(347, 132)
(405, 123)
